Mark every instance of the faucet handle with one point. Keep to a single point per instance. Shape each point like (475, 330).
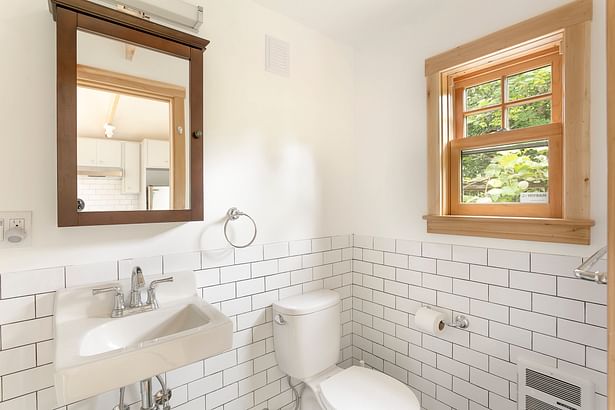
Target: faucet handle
(153, 284)
(115, 289)
(151, 292)
(118, 305)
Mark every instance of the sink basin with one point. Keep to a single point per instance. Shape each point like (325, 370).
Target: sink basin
(95, 353)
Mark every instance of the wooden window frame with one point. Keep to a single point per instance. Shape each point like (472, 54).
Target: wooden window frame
(552, 133)
(568, 26)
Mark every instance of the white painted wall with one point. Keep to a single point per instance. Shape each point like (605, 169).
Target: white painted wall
(275, 147)
(390, 146)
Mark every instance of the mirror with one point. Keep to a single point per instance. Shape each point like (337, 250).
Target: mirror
(129, 118)
(133, 147)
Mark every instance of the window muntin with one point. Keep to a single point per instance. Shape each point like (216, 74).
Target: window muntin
(506, 157)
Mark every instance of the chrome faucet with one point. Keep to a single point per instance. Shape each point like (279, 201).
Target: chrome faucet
(135, 305)
(137, 282)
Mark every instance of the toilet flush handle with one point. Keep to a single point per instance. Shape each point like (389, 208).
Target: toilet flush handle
(279, 319)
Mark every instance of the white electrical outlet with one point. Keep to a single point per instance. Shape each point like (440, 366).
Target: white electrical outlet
(15, 229)
(17, 223)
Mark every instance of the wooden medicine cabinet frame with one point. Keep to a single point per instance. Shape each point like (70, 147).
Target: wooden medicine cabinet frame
(72, 16)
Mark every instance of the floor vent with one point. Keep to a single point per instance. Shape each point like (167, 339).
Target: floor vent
(546, 388)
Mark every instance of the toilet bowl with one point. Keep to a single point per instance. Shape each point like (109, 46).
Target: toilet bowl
(306, 337)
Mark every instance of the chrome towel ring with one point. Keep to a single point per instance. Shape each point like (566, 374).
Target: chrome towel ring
(232, 215)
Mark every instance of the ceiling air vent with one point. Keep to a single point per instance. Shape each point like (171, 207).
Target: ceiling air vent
(546, 388)
(277, 56)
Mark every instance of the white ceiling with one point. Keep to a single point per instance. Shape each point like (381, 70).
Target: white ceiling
(348, 21)
(135, 118)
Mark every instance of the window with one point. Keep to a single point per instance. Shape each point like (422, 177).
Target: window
(508, 132)
(507, 148)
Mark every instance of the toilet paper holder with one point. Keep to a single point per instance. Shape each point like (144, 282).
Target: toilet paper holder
(460, 322)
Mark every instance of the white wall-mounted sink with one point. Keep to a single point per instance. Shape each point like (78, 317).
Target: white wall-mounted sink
(95, 353)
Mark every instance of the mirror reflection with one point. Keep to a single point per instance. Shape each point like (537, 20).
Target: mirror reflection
(132, 137)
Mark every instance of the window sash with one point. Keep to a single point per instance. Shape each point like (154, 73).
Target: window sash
(502, 71)
(553, 209)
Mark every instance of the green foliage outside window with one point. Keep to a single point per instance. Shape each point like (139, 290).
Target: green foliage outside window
(502, 176)
(524, 85)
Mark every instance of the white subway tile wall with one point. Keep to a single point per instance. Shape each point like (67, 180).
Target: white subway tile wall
(241, 283)
(519, 305)
(105, 194)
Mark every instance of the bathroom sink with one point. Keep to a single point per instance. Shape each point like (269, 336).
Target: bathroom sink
(96, 353)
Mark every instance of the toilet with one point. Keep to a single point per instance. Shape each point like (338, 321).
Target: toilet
(306, 337)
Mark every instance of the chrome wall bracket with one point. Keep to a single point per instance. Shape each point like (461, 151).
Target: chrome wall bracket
(461, 322)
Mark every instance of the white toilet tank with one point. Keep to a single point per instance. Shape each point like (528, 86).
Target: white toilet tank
(306, 333)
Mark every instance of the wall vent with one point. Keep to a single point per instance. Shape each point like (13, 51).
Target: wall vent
(277, 56)
(546, 388)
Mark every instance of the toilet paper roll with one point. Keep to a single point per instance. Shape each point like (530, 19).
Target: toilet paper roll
(430, 321)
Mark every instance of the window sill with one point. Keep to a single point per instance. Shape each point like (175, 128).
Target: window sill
(573, 231)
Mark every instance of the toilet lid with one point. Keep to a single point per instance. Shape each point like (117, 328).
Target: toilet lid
(359, 388)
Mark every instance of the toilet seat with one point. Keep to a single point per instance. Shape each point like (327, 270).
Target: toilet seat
(359, 388)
